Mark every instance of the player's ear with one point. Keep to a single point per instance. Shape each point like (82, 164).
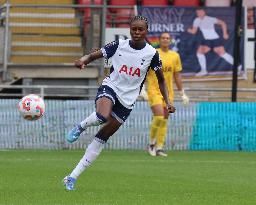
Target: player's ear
(146, 31)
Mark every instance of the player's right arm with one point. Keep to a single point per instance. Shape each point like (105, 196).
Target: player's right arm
(85, 60)
(194, 28)
(107, 51)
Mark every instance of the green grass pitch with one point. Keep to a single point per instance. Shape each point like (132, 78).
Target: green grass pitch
(32, 177)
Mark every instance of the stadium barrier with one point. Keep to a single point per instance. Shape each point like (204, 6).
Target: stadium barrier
(201, 126)
(202, 94)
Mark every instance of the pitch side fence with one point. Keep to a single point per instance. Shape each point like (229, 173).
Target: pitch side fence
(201, 126)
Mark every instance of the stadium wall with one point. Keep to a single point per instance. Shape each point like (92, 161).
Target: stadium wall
(201, 126)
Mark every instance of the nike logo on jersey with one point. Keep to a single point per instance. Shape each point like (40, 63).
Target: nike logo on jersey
(130, 71)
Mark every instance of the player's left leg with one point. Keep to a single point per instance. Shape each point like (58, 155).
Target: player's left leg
(119, 114)
(155, 127)
(104, 102)
(93, 151)
(220, 50)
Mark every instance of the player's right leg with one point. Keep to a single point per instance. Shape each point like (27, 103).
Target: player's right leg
(201, 51)
(104, 103)
(161, 137)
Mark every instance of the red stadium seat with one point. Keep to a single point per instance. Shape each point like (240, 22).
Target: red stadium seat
(120, 3)
(154, 2)
(88, 2)
(87, 11)
(123, 17)
(186, 3)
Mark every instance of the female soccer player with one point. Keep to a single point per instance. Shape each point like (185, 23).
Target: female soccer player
(171, 69)
(116, 96)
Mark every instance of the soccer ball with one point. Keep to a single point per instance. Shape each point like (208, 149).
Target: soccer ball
(31, 107)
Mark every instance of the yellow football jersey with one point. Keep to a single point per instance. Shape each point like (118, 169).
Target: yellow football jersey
(171, 63)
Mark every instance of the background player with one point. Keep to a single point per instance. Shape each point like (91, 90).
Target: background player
(119, 91)
(211, 40)
(171, 69)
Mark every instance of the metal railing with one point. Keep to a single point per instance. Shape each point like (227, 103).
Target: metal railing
(195, 94)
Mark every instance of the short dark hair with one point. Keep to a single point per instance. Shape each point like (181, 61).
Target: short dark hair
(200, 8)
(141, 18)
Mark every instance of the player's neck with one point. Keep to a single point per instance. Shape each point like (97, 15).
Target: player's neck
(164, 49)
(137, 45)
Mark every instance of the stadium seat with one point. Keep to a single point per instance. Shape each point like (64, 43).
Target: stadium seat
(217, 3)
(186, 3)
(87, 11)
(122, 17)
(88, 2)
(154, 3)
(120, 3)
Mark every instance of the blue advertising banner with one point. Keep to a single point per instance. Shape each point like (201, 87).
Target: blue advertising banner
(204, 38)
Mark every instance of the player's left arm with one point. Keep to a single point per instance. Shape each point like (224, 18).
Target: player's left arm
(156, 65)
(164, 90)
(178, 80)
(224, 28)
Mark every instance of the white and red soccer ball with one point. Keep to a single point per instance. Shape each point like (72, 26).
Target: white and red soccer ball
(31, 107)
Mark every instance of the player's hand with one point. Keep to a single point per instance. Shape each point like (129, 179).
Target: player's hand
(189, 30)
(171, 108)
(79, 64)
(225, 36)
(185, 98)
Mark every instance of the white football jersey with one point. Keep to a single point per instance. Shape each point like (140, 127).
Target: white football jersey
(129, 69)
(206, 25)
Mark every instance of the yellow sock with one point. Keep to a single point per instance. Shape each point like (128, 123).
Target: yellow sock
(154, 127)
(161, 134)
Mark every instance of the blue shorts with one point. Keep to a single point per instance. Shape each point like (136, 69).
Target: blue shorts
(212, 43)
(119, 112)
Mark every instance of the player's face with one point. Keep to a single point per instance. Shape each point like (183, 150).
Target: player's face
(138, 30)
(165, 40)
(200, 13)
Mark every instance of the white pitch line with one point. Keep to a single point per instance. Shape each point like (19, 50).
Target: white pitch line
(141, 161)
